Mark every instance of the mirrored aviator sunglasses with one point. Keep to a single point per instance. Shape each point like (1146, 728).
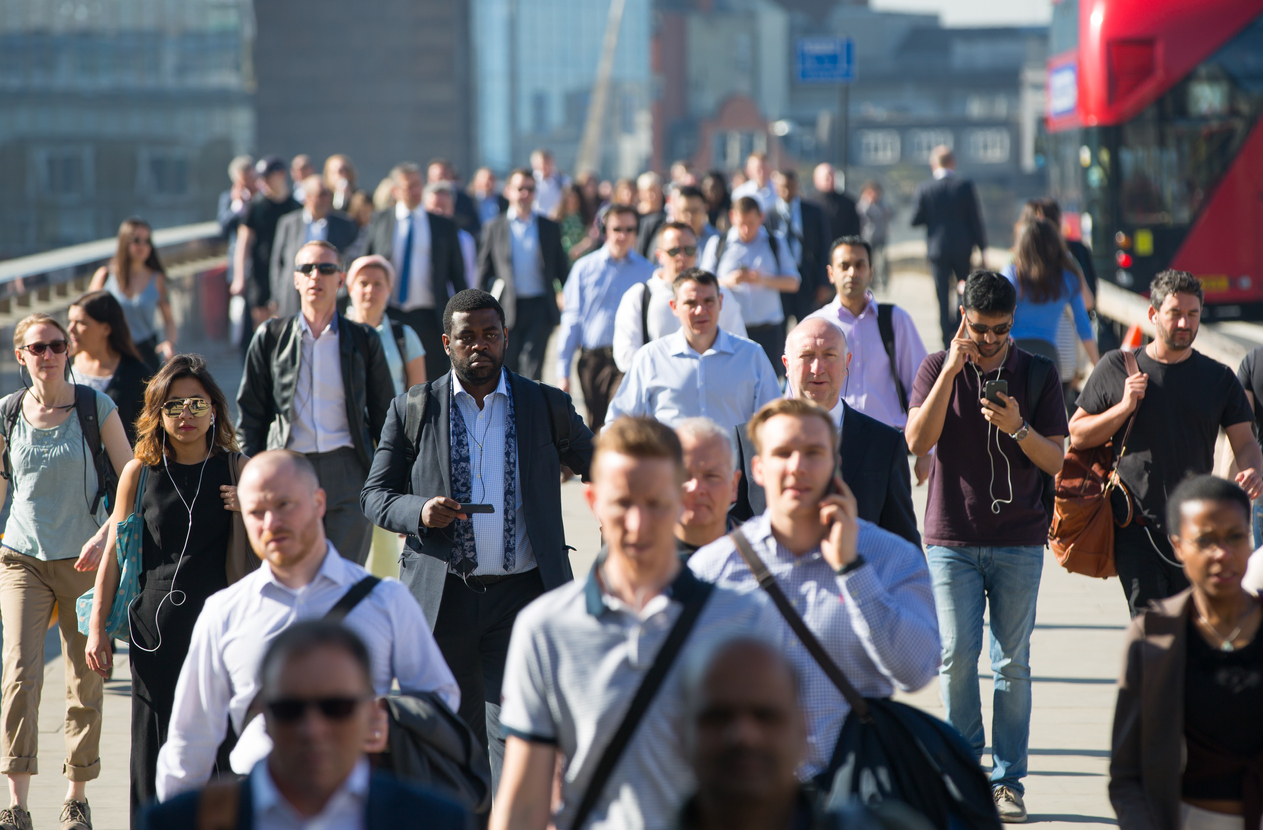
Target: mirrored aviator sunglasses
(197, 407)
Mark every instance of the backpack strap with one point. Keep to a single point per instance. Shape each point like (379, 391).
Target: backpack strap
(719, 249)
(85, 407)
(886, 327)
(1036, 377)
(640, 703)
(644, 313)
(396, 329)
(10, 409)
(414, 420)
(775, 245)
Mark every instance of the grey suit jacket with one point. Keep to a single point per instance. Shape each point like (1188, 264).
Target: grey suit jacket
(495, 262)
(394, 495)
(447, 264)
(340, 232)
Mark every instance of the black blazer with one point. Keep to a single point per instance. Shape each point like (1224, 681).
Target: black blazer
(815, 256)
(495, 261)
(265, 401)
(874, 466)
(465, 214)
(447, 264)
(650, 224)
(948, 208)
(127, 390)
(391, 803)
(340, 232)
(394, 495)
(842, 215)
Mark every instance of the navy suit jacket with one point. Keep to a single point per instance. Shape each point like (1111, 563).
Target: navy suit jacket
(874, 466)
(447, 263)
(948, 208)
(394, 495)
(391, 804)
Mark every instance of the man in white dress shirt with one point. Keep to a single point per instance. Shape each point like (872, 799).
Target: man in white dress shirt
(635, 324)
(758, 183)
(700, 370)
(301, 578)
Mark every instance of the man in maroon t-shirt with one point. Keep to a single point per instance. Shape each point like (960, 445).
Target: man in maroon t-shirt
(985, 524)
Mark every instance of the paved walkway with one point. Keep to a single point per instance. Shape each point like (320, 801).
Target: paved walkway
(1075, 657)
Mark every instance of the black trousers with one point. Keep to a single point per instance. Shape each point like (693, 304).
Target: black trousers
(772, 338)
(1146, 574)
(524, 352)
(946, 272)
(599, 379)
(428, 324)
(472, 630)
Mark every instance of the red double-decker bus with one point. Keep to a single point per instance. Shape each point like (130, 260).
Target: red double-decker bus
(1154, 146)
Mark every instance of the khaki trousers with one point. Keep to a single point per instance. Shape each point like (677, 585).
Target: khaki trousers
(28, 589)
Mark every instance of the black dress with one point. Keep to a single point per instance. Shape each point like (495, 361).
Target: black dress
(158, 650)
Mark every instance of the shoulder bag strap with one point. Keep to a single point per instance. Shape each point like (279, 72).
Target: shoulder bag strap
(644, 313)
(640, 703)
(351, 598)
(768, 583)
(886, 327)
(1132, 367)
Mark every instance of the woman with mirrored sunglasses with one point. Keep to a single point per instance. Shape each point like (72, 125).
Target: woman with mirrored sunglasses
(105, 357)
(194, 544)
(138, 281)
(53, 540)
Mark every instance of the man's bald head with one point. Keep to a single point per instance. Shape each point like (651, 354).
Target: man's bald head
(283, 507)
(268, 466)
(816, 361)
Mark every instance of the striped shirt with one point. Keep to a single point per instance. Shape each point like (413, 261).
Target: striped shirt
(877, 622)
(576, 658)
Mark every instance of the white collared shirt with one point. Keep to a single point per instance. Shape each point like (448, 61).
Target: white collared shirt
(319, 421)
(420, 280)
(670, 381)
(629, 333)
(765, 195)
(485, 434)
(345, 809)
(220, 677)
(528, 278)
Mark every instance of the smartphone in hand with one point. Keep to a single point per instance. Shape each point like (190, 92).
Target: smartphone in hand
(992, 389)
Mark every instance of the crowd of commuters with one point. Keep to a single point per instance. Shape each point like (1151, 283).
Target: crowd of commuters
(755, 420)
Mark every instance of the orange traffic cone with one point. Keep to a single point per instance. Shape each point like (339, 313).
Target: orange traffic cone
(1134, 339)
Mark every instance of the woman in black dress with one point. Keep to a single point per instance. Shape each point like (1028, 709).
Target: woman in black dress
(187, 458)
(105, 357)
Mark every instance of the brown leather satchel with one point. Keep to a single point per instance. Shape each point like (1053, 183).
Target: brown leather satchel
(1081, 534)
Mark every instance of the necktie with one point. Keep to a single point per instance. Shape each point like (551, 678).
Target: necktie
(405, 270)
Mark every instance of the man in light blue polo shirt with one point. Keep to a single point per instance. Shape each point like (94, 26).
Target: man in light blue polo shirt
(579, 653)
(758, 268)
(700, 370)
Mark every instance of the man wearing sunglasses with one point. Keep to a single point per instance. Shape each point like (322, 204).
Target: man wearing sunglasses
(301, 579)
(645, 314)
(318, 383)
(523, 265)
(593, 291)
(985, 520)
(319, 707)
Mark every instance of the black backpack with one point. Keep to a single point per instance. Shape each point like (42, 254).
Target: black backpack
(886, 327)
(85, 407)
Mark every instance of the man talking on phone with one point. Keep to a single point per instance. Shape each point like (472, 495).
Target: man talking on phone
(995, 435)
(477, 489)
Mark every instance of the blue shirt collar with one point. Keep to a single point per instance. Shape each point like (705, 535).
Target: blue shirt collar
(682, 588)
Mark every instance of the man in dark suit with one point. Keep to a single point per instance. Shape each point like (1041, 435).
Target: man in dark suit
(947, 206)
(806, 229)
(425, 250)
(320, 711)
(317, 220)
(464, 212)
(520, 263)
(503, 444)
(874, 456)
(844, 219)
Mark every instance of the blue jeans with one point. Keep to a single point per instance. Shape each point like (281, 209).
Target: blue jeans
(1258, 523)
(965, 579)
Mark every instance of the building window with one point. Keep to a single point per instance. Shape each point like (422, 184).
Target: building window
(539, 112)
(921, 142)
(989, 146)
(879, 147)
(987, 107)
(165, 172)
(65, 172)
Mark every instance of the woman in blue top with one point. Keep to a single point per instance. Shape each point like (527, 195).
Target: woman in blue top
(1044, 288)
(137, 280)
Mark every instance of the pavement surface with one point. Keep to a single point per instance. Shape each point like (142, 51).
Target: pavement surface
(1076, 656)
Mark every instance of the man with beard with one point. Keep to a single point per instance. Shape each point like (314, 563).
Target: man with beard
(985, 523)
(485, 439)
(1180, 399)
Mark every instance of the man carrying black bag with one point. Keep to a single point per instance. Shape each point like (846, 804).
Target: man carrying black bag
(869, 615)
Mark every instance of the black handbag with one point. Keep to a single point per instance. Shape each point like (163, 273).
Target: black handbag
(889, 751)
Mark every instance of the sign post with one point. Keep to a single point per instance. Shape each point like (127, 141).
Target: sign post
(830, 60)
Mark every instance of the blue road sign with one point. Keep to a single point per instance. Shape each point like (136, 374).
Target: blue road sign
(825, 60)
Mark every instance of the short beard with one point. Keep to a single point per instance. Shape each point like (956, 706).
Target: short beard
(469, 375)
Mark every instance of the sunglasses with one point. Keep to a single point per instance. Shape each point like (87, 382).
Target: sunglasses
(623, 230)
(197, 407)
(325, 268)
(998, 331)
(289, 710)
(687, 250)
(141, 240)
(38, 349)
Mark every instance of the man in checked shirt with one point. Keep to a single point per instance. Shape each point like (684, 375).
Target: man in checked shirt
(863, 591)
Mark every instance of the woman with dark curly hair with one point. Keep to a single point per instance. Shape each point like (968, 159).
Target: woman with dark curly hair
(186, 467)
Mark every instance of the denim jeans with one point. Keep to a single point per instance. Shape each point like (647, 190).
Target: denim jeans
(1258, 524)
(965, 579)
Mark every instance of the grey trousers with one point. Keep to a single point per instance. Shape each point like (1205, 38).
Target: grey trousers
(342, 476)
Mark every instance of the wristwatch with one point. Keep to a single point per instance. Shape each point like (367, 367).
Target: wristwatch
(1021, 434)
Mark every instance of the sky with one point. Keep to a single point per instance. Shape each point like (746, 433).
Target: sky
(975, 12)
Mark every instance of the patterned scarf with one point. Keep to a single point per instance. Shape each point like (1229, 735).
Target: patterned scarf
(464, 552)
